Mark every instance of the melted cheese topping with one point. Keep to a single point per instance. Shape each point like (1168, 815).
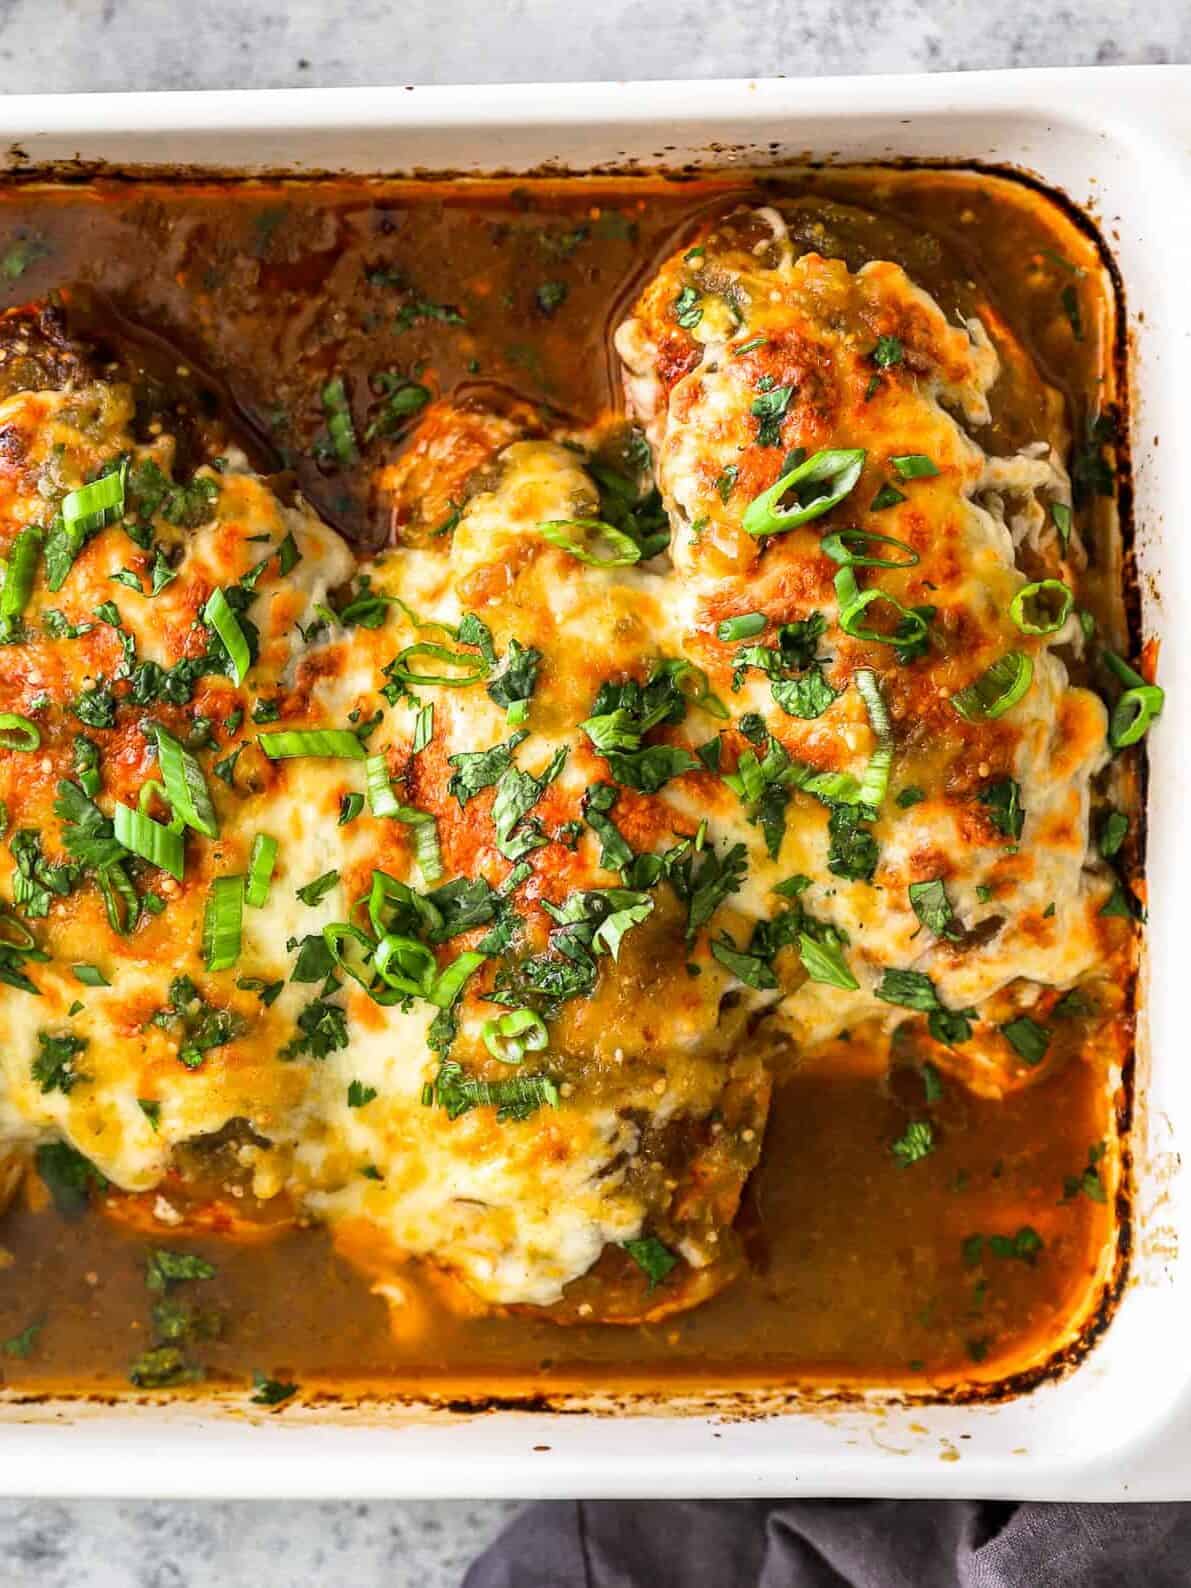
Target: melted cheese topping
(332, 1093)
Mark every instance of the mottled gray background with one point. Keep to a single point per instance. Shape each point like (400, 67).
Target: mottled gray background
(63, 46)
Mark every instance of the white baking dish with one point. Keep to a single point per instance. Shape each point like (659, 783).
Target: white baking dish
(1120, 1425)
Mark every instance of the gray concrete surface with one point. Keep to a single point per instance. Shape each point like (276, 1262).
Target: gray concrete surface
(64, 46)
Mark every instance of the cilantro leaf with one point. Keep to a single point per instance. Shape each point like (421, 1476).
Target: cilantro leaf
(480, 769)
(654, 1259)
(165, 1267)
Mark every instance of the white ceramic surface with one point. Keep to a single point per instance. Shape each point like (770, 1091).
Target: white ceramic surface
(1120, 1427)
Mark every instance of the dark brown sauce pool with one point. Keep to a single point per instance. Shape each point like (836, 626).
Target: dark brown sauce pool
(859, 1271)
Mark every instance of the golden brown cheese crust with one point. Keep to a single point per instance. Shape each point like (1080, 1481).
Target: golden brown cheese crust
(658, 1077)
(866, 360)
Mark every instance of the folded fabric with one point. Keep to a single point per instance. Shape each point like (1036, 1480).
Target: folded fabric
(838, 1544)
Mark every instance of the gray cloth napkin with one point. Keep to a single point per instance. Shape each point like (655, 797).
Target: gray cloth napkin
(838, 1544)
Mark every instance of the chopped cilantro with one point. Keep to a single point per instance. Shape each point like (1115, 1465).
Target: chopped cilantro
(322, 1029)
(654, 1259)
(54, 1067)
(1003, 800)
(165, 1267)
(271, 1391)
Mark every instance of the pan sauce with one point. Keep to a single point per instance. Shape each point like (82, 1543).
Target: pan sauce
(859, 1268)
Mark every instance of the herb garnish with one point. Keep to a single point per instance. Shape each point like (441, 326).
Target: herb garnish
(915, 1143)
(911, 989)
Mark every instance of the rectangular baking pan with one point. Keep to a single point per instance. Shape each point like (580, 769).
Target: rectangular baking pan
(1115, 141)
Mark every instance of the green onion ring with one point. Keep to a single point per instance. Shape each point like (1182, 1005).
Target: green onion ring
(836, 547)
(404, 964)
(511, 1036)
(997, 690)
(852, 603)
(18, 733)
(472, 664)
(449, 983)
(623, 548)
(1136, 708)
(838, 468)
(693, 683)
(357, 965)
(1032, 592)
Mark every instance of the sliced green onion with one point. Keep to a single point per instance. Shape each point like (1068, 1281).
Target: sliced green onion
(597, 544)
(997, 689)
(18, 733)
(384, 803)
(86, 766)
(339, 420)
(351, 948)
(423, 728)
(223, 921)
(389, 900)
(1039, 619)
(162, 846)
(1136, 708)
(838, 469)
(218, 615)
(153, 789)
(90, 975)
(853, 602)
(261, 861)
(339, 743)
(18, 579)
(1133, 715)
(745, 627)
(693, 684)
(350, 806)
(88, 509)
(887, 496)
(15, 935)
(511, 1036)
(838, 548)
(449, 983)
(472, 666)
(914, 466)
(874, 783)
(120, 902)
(381, 799)
(185, 785)
(1061, 514)
(426, 850)
(404, 964)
